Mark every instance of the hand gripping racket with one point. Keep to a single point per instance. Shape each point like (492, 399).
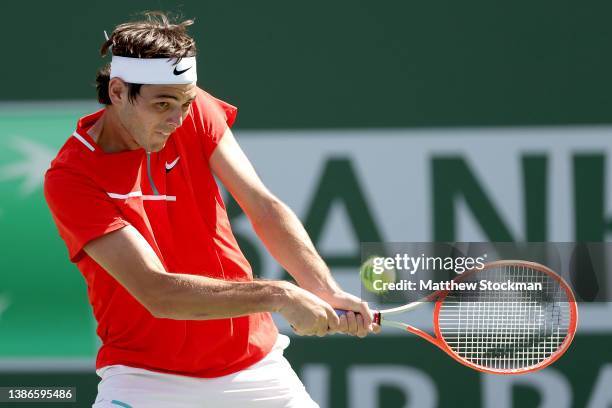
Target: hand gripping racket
(510, 331)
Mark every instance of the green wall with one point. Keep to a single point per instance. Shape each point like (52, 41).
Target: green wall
(346, 63)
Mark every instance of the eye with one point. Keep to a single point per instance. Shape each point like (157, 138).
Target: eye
(162, 105)
(186, 105)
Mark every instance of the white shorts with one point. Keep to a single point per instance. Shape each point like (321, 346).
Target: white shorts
(270, 383)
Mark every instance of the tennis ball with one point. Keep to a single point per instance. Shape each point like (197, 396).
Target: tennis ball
(369, 277)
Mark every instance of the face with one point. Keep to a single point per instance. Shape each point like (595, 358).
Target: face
(150, 118)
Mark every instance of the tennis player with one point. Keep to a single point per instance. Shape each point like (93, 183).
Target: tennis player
(132, 191)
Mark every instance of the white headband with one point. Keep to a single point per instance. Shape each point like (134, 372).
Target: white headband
(159, 71)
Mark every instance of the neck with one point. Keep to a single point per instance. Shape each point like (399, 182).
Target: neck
(110, 134)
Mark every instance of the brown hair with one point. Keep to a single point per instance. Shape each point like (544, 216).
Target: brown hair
(153, 37)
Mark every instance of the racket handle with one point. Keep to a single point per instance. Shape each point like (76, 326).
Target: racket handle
(342, 312)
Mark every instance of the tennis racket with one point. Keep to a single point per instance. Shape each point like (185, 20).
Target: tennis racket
(499, 331)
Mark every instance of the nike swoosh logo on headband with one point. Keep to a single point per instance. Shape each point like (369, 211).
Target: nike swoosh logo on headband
(177, 72)
(170, 166)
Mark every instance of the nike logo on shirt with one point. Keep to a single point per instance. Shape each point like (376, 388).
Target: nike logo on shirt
(170, 166)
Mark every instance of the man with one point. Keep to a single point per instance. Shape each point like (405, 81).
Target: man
(182, 321)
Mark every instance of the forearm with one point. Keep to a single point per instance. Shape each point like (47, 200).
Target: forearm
(193, 297)
(286, 239)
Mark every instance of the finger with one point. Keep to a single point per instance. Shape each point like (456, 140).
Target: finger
(322, 326)
(343, 325)
(352, 323)
(362, 329)
(307, 332)
(367, 314)
(376, 328)
(333, 320)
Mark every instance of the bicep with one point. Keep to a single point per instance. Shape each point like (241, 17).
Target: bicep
(128, 257)
(233, 168)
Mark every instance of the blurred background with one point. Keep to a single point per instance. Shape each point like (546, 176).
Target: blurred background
(389, 121)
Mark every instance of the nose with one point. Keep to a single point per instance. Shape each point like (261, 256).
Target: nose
(176, 118)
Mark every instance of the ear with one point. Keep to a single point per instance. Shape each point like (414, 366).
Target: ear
(117, 91)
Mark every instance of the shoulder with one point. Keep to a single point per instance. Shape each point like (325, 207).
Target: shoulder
(211, 118)
(69, 167)
(208, 109)
(76, 152)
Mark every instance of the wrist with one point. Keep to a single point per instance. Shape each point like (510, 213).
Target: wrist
(319, 286)
(280, 295)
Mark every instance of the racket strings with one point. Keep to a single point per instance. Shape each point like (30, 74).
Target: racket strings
(506, 329)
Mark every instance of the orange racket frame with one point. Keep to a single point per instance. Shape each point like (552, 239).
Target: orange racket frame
(438, 340)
